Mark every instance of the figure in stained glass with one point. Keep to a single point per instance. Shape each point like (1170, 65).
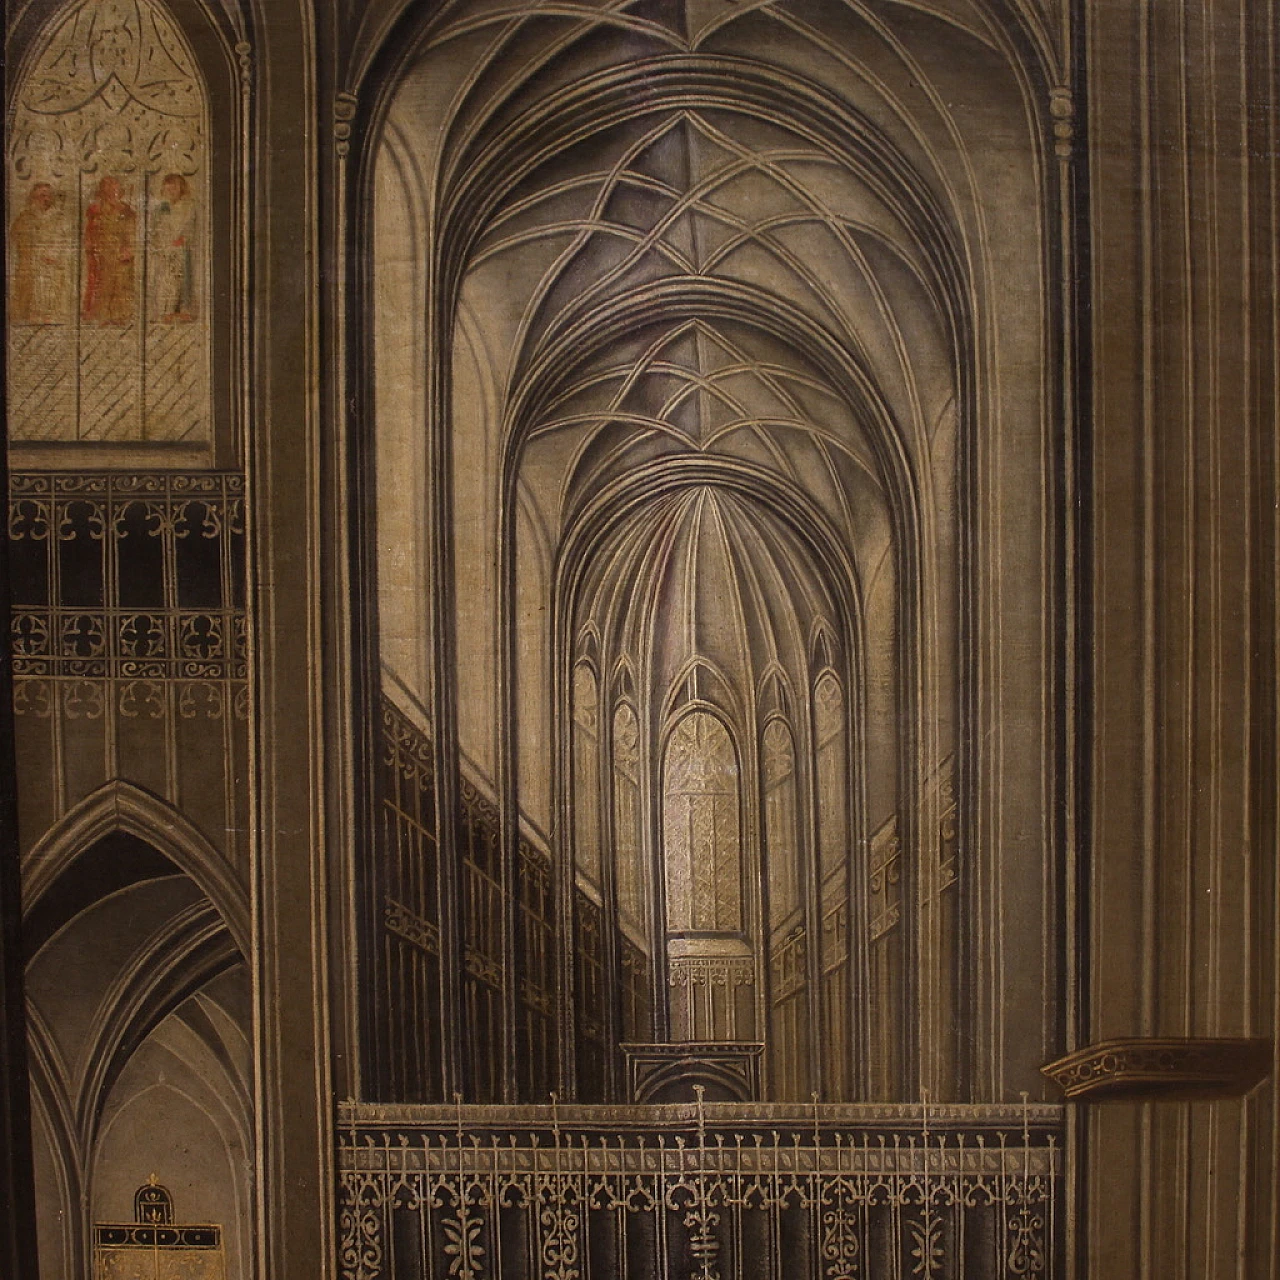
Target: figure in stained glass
(110, 232)
(39, 239)
(173, 238)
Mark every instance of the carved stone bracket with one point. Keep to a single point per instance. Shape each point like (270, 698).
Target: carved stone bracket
(1162, 1069)
(344, 111)
(1062, 108)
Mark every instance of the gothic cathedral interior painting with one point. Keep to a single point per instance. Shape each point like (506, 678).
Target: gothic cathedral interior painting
(642, 640)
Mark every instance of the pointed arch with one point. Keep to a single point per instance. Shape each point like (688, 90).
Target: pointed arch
(830, 731)
(200, 49)
(715, 349)
(587, 724)
(631, 875)
(700, 684)
(182, 956)
(120, 806)
(774, 698)
(589, 644)
(52, 1107)
(624, 678)
(822, 647)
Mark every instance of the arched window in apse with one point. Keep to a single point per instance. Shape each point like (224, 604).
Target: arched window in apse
(108, 273)
(586, 773)
(830, 732)
(629, 873)
(788, 1024)
(711, 962)
(701, 837)
(778, 762)
(833, 782)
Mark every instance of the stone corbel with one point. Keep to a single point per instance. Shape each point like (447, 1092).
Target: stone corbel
(1062, 108)
(344, 111)
(1162, 1069)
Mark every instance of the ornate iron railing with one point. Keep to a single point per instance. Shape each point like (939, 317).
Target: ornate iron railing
(707, 1192)
(128, 594)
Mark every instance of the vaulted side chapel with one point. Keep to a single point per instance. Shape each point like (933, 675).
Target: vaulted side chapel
(642, 640)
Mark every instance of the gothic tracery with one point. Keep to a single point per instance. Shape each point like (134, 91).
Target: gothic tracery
(109, 337)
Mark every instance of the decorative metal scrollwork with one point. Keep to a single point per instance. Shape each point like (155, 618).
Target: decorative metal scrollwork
(83, 544)
(840, 1191)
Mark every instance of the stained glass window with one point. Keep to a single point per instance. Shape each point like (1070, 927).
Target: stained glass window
(701, 840)
(108, 255)
(626, 819)
(833, 785)
(779, 769)
(586, 772)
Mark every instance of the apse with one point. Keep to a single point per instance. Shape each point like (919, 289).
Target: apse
(687, 353)
(704, 630)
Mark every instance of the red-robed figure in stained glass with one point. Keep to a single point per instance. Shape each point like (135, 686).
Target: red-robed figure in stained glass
(110, 235)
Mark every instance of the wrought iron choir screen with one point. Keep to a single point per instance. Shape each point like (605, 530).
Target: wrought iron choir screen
(704, 1191)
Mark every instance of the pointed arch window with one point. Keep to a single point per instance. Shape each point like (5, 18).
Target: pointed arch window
(778, 768)
(788, 1036)
(833, 809)
(108, 278)
(701, 828)
(631, 878)
(586, 772)
(833, 828)
(626, 821)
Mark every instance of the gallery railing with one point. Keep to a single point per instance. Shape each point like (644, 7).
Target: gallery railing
(712, 1191)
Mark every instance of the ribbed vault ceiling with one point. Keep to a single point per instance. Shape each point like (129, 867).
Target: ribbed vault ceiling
(727, 240)
(704, 575)
(757, 219)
